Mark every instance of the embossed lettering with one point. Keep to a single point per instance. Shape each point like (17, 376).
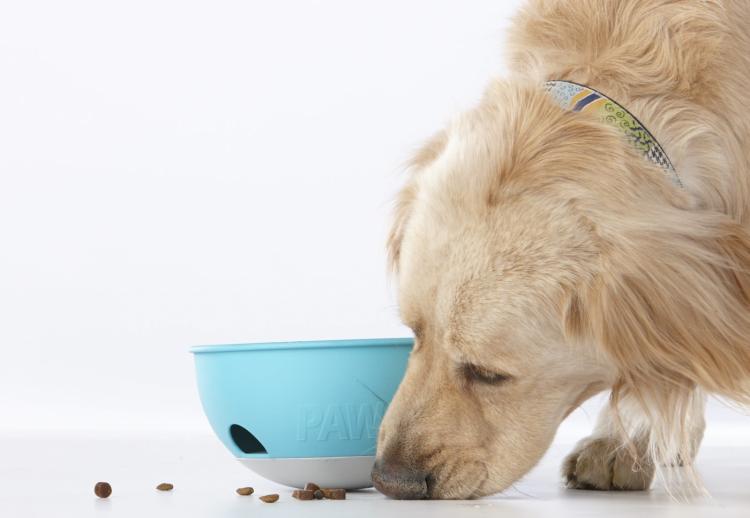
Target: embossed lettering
(342, 422)
(310, 418)
(364, 419)
(333, 424)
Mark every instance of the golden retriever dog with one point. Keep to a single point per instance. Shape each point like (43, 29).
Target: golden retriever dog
(541, 258)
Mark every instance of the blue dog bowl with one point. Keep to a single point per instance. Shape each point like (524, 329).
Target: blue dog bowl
(298, 412)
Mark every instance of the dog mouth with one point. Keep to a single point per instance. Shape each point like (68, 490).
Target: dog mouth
(431, 483)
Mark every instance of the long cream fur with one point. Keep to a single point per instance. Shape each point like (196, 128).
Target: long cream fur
(534, 241)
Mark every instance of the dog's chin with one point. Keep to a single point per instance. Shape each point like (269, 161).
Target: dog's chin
(464, 484)
(479, 479)
(462, 490)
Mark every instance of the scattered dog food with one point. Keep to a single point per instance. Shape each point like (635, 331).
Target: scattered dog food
(334, 494)
(303, 494)
(314, 491)
(102, 489)
(311, 492)
(315, 488)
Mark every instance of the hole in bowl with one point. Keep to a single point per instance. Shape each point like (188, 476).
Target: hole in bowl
(245, 441)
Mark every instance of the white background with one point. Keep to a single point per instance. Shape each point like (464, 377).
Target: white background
(176, 173)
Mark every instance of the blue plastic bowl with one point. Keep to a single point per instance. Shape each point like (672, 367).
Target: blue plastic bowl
(297, 412)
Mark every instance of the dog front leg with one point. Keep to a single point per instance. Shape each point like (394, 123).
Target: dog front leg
(616, 455)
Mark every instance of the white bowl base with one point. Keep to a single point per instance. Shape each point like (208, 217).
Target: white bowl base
(333, 472)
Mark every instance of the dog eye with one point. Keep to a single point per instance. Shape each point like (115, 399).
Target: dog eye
(481, 375)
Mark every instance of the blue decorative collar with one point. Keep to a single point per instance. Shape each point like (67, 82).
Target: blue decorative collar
(579, 98)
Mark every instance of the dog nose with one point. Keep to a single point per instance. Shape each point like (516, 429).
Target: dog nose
(398, 481)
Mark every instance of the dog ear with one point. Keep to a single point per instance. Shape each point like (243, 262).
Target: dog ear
(671, 305)
(401, 214)
(408, 194)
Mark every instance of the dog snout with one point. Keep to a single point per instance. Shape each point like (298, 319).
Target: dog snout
(399, 481)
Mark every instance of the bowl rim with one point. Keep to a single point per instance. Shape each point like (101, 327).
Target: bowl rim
(303, 344)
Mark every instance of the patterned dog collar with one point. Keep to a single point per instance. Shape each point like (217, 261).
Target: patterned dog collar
(578, 98)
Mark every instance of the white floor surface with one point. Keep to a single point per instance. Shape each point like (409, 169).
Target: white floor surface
(53, 476)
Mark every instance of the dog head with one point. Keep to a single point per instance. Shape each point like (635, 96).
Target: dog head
(539, 261)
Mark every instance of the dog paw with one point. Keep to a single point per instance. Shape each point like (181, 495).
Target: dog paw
(605, 464)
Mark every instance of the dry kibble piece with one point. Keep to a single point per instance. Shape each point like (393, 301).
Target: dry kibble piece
(269, 499)
(244, 491)
(303, 494)
(334, 494)
(165, 486)
(311, 486)
(318, 494)
(102, 489)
